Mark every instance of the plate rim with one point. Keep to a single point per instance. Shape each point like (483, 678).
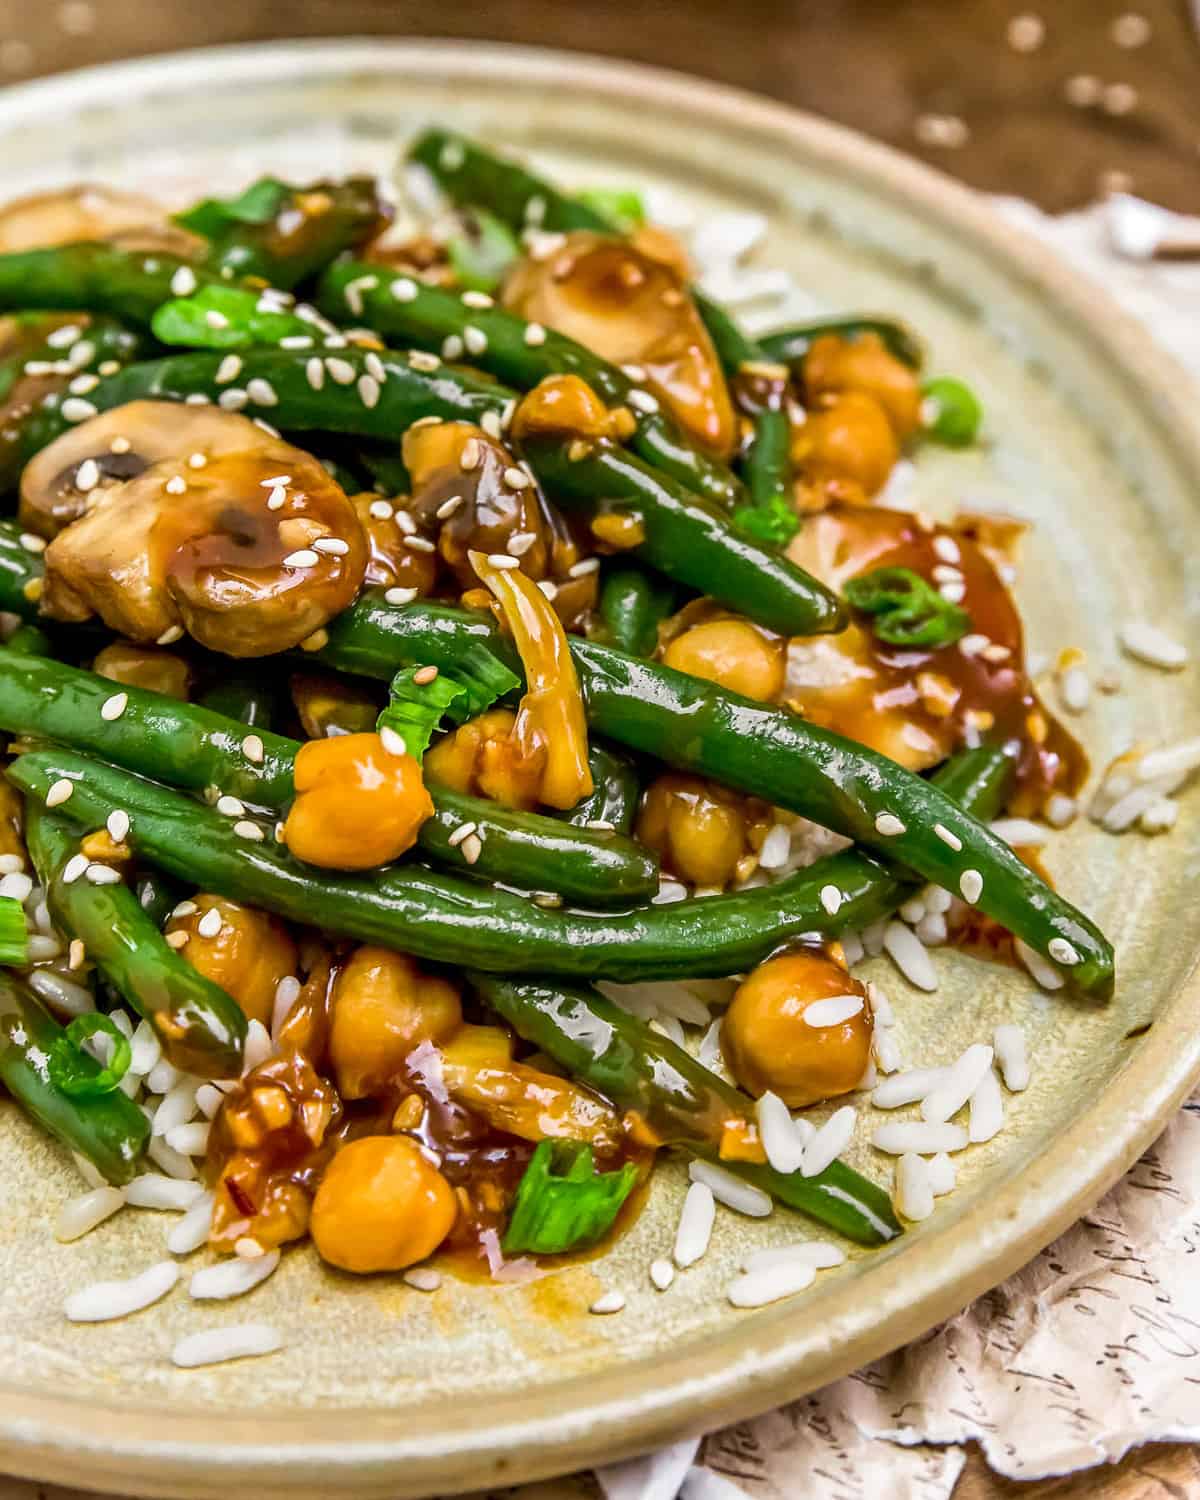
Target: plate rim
(511, 1438)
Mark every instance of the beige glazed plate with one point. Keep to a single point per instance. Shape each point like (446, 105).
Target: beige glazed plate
(383, 1390)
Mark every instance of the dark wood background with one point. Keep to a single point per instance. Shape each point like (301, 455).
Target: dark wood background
(1057, 101)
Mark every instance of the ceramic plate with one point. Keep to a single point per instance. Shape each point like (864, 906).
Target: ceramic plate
(383, 1390)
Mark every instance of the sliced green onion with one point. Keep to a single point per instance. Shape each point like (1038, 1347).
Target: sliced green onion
(906, 609)
(774, 523)
(14, 933)
(484, 679)
(483, 252)
(223, 317)
(624, 206)
(563, 1203)
(258, 204)
(950, 412)
(77, 1072)
(416, 708)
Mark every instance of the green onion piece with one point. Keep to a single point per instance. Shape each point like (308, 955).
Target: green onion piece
(14, 933)
(624, 206)
(774, 523)
(223, 317)
(907, 610)
(259, 204)
(483, 252)
(416, 709)
(484, 680)
(75, 1071)
(562, 1203)
(950, 412)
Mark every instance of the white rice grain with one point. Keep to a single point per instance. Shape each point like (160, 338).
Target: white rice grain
(422, 1278)
(191, 1232)
(1172, 760)
(162, 1077)
(662, 1273)
(782, 1142)
(287, 992)
(190, 1139)
(943, 1174)
(1160, 817)
(820, 1254)
(1011, 1057)
(1022, 831)
(776, 848)
(1153, 646)
(913, 1192)
(741, 1196)
(833, 1011)
(145, 1050)
(908, 1088)
(233, 1277)
(209, 1099)
(61, 994)
(177, 1107)
(168, 1160)
(217, 1345)
(829, 1141)
(987, 1109)
(887, 1050)
(1045, 975)
(79, 1216)
(259, 1046)
(899, 1137)
(961, 1080)
(759, 1288)
(153, 1190)
(105, 1300)
(908, 953)
(695, 1225)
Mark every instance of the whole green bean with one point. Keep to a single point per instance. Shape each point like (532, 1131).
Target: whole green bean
(245, 696)
(686, 538)
(682, 1101)
(97, 278)
(202, 1029)
(791, 345)
(108, 1129)
(21, 573)
(406, 311)
(616, 790)
(769, 753)
(632, 605)
(198, 750)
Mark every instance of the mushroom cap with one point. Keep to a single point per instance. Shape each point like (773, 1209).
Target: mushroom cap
(88, 211)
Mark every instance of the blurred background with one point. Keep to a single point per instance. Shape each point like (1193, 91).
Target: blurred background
(1060, 102)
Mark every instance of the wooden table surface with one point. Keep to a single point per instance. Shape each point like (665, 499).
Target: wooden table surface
(1055, 101)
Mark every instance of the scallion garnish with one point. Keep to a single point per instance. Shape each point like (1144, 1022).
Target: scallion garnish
(14, 933)
(950, 412)
(563, 1203)
(623, 206)
(223, 317)
(906, 609)
(775, 523)
(415, 709)
(77, 1072)
(483, 252)
(258, 204)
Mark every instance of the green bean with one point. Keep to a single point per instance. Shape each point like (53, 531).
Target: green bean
(683, 1102)
(21, 573)
(686, 538)
(427, 316)
(191, 747)
(202, 1029)
(108, 1129)
(156, 895)
(245, 696)
(791, 345)
(632, 605)
(97, 278)
(615, 794)
(766, 752)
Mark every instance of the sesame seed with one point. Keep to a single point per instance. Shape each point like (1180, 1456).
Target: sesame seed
(32, 543)
(392, 742)
(229, 369)
(404, 289)
(276, 479)
(231, 807)
(425, 675)
(375, 366)
(610, 1302)
(947, 549)
(954, 591)
(108, 367)
(76, 409)
(400, 596)
(419, 543)
(76, 954)
(381, 510)
(304, 557)
(419, 359)
(232, 399)
(216, 319)
(577, 449)
(210, 923)
(262, 392)
(114, 707)
(471, 454)
(520, 542)
(197, 398)
(340, 370)
(491, 424)
(477, 299)
(176, 939)
(64, 337)
(974, 645)
(1026, 33)
(82, 384)
(405, 522)
(970, 884)
(252, 749)
(944, 573)
(600, 825)
(995, 653)
(952, 839)
(334, 546)
(582, 569)
(1130, 30)
(472, 848)
(176, 485)
(265, 426)
(463, 831)
(517, 479)
(535, 209)
(502, 561)
(87, 476)
(74, 868)
(314, 373)
(277, 499)
(120, 445)
(33, 589)
(247, 830)
(662, 1274)
(102, 875)
(368, 391)
(451, 156)
(889, 825)
(644, 402)
(475, 339)
(447, 508)
(170, 635)
(59, 792)
(549, 589)
(117, 824)
(296, 341)
(353, 292)
(831, 899)
(197, 461)
(1119, 99)
(452, 347)
(1062, 952)
(185, 909)
(183, 283)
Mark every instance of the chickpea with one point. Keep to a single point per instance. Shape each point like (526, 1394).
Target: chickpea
(381, 1206)
(383, 1007)
(864, 364)
(697, 828)
(249, 955)
(768, 1044)
(145, 667)
(846, 449)
(484, 758)
(732, 653)
(357, 805)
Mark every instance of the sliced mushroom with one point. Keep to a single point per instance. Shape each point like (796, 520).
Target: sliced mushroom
(87, 212)
(632, 309)
(73, 475)
(250, 553)
(391, 562)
